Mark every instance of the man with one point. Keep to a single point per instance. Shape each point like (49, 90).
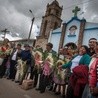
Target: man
(26, 57)
(13, 60)
(92, 44)
(48, 52)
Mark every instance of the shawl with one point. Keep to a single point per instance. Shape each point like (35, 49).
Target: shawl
(79, 78)
(93, 73)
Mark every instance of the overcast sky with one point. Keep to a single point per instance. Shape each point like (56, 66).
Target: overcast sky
(15, 15)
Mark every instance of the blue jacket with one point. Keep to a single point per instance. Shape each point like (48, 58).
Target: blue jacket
(26, 56)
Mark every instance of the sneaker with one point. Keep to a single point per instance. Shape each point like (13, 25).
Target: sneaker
(42, 92)
(37, 89)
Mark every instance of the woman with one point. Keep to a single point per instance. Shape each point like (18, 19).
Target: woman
(79, 68)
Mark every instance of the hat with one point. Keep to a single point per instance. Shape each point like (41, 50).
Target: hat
(26, 45)
(60, 61)
(19, 44)
(50, 44)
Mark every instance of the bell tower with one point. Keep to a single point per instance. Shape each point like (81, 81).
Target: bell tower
(50, 21)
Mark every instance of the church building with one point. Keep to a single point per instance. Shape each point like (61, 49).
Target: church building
(76, 31)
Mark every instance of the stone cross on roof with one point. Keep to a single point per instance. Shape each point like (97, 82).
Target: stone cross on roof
(5, 31)
(76, 10)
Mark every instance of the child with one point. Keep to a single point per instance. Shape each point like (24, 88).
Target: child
(37, 68)
(7, 72)
(59, 78)
(19, 70)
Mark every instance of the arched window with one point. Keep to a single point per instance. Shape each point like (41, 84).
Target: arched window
(57, 12)
(55, 25)
(45, 26)
(49, 11)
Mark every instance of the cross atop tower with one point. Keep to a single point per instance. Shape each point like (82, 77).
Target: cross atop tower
(5, 31)
(76, 10)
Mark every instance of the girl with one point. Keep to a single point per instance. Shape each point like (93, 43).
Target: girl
(59, 78)
(37, 68)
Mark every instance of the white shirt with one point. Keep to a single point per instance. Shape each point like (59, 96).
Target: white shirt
(75, 62)
(14, 55)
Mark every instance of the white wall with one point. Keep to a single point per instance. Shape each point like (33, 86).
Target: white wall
(55, 39)
(89, 34)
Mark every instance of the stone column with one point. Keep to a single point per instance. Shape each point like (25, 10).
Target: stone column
(81, 32)
(62, 36)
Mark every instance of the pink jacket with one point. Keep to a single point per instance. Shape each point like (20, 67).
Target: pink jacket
(93, 72)
(46, 69)
(38, 61)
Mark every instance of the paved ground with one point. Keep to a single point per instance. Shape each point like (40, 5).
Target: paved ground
(9, 89)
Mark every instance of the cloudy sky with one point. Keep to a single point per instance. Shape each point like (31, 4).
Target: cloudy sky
(15, 15)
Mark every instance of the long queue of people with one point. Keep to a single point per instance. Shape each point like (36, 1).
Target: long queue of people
(72, 73)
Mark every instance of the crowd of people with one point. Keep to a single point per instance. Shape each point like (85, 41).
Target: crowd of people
(71, 73)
